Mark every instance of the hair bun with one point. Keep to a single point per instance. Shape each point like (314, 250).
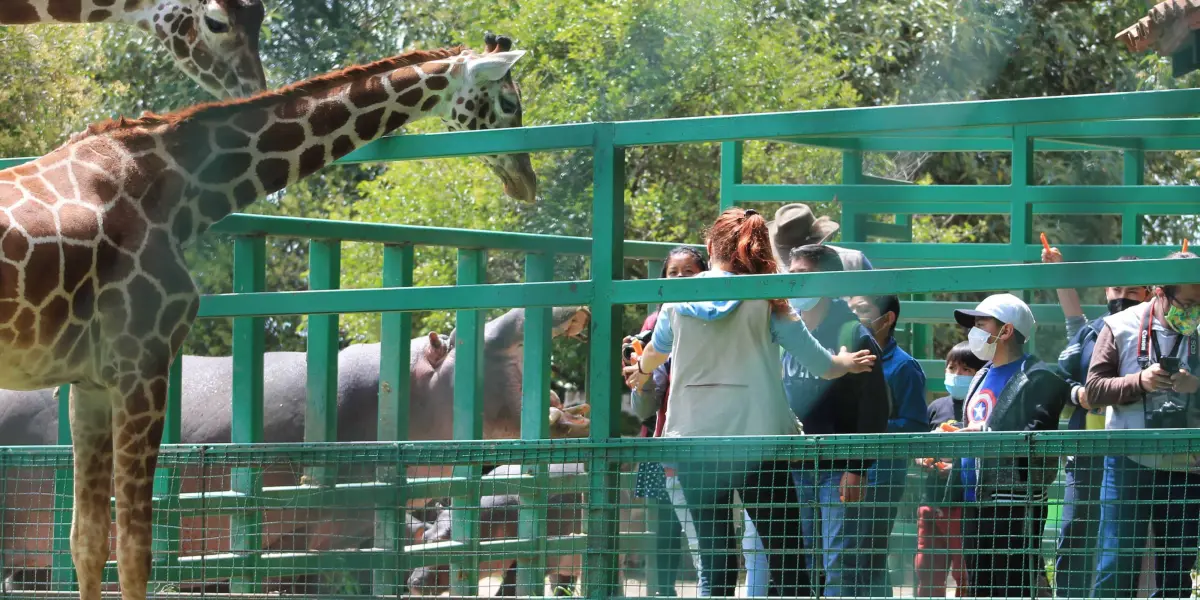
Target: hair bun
(750, 212)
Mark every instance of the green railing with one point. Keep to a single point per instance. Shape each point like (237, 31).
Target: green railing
(1131, 123)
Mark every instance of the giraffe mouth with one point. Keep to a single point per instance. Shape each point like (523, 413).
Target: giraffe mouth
(516, 173)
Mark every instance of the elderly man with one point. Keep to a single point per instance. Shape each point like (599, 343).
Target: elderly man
(795, 226)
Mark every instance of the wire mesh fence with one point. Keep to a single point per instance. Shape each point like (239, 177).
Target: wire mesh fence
(1066, 514)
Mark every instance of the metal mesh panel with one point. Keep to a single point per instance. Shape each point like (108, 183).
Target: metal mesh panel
(577, 518)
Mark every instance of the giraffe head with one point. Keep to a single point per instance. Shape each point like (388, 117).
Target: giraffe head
(215, 42)
(488, 98)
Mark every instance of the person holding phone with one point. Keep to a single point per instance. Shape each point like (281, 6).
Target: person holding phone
(1144, 370)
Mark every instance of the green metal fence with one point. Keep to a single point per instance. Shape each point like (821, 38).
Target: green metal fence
(219, 494)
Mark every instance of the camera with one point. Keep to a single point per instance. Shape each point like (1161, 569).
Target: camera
(1166, 414)
(627, 350)
(1169, 364)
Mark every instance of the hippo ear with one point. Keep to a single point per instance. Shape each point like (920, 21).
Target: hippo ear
(435, 340)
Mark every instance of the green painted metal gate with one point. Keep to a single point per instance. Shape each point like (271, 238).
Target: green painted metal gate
(226, 481)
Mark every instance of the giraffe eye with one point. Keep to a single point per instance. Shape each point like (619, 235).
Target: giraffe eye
(508, 106)
(216, 26)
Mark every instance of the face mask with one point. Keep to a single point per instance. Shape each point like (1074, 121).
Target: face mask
(1117, 305)
(958, 385)
(803, 304)
(978, 340)
(1183, 321)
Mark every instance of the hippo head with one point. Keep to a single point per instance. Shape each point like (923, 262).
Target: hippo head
(571, 322)
(429, 581)
(568, 422)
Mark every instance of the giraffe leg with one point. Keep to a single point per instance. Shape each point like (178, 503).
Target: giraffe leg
(91, 438)
(138, 423)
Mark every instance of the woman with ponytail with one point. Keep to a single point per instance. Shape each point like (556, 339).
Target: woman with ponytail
(726, 381)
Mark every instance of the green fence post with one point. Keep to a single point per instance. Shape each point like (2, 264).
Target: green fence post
(653, 271)
(535, 406)
(394, 356)
(468, 424)
(249, 275)
(854, 220)
(320, 419)
(167, 483)
(1021, 231)
(62, 573)
(731, 171)
(608, 233)
(1134, 174)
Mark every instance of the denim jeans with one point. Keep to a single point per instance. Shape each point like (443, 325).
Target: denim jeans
(708, 488)
(758, 569)
(1075, 563)
(1133, 497)
(850, 539)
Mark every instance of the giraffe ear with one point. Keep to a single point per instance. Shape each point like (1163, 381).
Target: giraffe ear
(493, 66)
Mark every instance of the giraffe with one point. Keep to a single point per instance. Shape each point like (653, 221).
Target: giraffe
(94, 290)
(215, 42)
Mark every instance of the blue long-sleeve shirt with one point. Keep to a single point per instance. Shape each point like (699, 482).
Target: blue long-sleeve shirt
(787, 331)
(906, 380)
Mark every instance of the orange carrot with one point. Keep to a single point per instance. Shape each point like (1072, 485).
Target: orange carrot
(1045, 244)
(947, 427)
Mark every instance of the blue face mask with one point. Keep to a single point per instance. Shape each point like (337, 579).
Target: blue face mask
(958, 385)
(803, 304)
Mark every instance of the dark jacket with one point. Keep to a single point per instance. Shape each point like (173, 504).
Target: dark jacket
(855, 403)
(1074, 361)
(1032, 400)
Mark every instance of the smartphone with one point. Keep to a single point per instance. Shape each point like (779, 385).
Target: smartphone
(1170, 364)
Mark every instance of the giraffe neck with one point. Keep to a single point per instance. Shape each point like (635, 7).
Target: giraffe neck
(26, 12)
(224, 157)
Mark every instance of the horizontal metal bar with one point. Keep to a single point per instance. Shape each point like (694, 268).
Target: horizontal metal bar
(928, 311)
(881, 119)
(466, 297)
(1000, 253)
(417, 235)
(890, 198)
(467, 143)
(962, 144)
(905, 281)
(889, 231)
(449, 452)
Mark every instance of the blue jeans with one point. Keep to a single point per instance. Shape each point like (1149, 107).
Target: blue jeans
(758, 569)
(1075, 563)
(851, 539)
(1133, 497)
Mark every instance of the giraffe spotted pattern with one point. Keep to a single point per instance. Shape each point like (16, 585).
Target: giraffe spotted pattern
(94, 290)
(215, 42)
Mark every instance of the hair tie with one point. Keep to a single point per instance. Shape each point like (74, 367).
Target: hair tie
(750, 212)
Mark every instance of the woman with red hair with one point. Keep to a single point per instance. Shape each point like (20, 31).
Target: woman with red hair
(726, 380)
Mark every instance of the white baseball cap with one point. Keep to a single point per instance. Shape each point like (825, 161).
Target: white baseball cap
(1005, 308)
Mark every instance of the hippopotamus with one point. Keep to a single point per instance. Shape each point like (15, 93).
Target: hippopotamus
(31, 418)
(498, 519)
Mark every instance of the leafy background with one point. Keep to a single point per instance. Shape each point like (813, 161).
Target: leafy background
(620, 60)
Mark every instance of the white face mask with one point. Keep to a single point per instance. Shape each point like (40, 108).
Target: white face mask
(978, 340)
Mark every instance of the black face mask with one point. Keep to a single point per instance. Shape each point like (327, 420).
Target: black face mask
(1117, 305)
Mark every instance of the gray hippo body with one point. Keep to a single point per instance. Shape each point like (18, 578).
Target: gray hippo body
(31, 418)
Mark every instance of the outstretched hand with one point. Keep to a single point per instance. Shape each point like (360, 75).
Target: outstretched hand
(846, 362)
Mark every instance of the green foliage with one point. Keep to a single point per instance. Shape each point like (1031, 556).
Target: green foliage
(45, 89)
(622, 60)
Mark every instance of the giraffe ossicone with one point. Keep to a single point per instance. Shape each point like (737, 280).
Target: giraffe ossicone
(214, 42)
(94, 290)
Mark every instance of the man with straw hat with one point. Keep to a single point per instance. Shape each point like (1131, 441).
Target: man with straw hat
(795, 226)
